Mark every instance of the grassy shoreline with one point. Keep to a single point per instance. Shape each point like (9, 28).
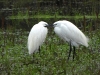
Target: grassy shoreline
(50, 16)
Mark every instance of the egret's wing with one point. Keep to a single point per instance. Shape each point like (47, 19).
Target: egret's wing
(73, 33)
(61, 33)
(36, 37)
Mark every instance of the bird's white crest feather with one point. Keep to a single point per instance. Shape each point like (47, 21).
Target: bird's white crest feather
(69, 32)
(37, 36)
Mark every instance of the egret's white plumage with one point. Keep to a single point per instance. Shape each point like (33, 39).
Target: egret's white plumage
(37, 36)
(69, 32)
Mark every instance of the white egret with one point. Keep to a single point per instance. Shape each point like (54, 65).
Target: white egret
(68, 32)
(37, 36)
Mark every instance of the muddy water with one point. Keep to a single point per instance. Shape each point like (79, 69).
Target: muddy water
(84, 24)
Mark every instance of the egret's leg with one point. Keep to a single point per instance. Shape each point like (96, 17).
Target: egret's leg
(70, 51)
(33, 56)
(74, 53)
(39, 49)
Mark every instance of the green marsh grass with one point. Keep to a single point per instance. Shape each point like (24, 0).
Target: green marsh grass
(52, 59)
(20, 16)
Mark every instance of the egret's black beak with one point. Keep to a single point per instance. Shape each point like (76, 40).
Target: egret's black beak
(48, 26)
(51, 25)
(54, 25)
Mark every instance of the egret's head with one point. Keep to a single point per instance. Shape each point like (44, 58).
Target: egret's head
(57, 23)
(44, 23)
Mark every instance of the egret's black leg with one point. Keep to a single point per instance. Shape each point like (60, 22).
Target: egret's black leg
(39, 49)
(70, 51)
(33, 56)
(74, 53)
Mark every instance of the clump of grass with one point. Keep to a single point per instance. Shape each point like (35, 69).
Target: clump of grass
(52, 59)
